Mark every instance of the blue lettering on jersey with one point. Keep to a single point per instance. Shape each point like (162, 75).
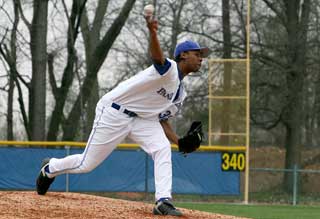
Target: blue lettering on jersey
(165, 116)
(164, 93)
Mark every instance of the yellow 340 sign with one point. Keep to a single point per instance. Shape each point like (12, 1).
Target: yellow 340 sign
(233, 161)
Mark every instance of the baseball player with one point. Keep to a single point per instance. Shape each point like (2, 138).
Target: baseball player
(139, 108)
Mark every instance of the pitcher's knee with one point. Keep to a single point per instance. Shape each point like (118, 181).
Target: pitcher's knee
(164, 152)
(163, 155)
(86, 167)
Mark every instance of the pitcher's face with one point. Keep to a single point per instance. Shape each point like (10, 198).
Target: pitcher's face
(193, 60)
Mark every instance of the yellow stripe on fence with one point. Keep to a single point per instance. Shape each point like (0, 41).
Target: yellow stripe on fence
(122, 146)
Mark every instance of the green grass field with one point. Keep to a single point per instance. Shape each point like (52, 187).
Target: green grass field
(257, 211)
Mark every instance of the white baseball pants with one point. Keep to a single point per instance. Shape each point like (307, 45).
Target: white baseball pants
(110, 128)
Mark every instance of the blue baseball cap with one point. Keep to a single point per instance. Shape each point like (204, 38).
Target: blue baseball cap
(189, 45)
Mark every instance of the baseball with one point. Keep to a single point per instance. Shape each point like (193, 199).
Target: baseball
(148, 10)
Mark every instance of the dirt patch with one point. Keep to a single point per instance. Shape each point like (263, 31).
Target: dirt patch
(74, 205)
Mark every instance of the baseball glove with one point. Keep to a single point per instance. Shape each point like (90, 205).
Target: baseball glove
(192, 140)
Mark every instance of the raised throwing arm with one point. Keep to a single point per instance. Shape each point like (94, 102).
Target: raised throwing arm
(155, 49)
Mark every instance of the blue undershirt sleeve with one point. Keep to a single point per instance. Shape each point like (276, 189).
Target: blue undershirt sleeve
(162, 69)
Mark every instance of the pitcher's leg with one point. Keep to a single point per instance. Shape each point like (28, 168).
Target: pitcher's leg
(110, 128)
(152, 139)
(163, 172)
(97, 150)
(81, 163)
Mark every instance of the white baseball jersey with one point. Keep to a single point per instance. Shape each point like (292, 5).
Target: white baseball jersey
(154, 93)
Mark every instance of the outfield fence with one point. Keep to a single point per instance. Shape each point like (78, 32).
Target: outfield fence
(301, 191)
(296, 178)
(120, 146)
(266, 183)
(127, 169)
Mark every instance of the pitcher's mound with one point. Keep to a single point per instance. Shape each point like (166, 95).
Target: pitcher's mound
(74, 205)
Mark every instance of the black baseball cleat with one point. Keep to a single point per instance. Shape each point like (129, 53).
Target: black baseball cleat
(43, 181)
(165, 207)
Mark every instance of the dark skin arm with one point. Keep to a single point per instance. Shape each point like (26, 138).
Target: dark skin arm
(155, 49)
(158, 58)
(168, 130)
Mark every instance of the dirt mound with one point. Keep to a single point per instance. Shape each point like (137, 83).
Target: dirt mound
(73, 205)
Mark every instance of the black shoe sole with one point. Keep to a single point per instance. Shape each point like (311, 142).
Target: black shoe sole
(43, 182)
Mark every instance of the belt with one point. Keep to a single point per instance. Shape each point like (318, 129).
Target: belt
(118, 107)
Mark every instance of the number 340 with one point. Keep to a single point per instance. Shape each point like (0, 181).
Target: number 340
(232, 161)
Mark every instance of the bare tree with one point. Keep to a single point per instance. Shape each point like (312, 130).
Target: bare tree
(61, 93)
(287, 56)
(227, 52)
(12, 75)
(96, 50)
(38, 47)
(297, 22)
(10, 56)
(95, 61)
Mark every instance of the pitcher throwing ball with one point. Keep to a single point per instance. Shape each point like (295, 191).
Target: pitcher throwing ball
(139, 108)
